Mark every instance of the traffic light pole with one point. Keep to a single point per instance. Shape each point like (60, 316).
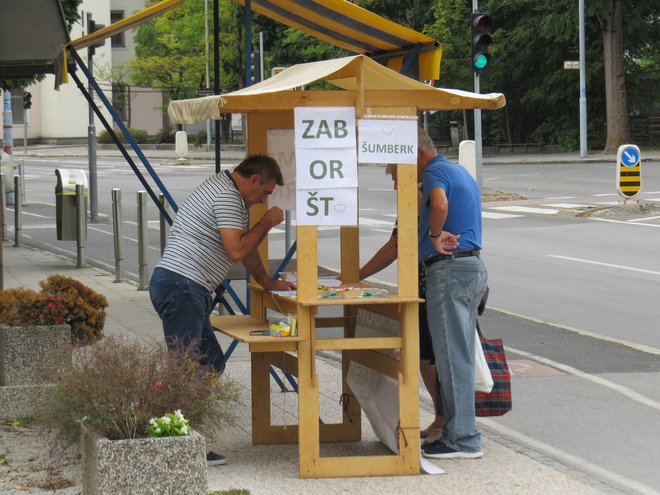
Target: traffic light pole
(91, 139)
(477, 120)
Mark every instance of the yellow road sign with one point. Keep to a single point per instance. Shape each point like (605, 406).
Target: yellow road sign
(628, 171)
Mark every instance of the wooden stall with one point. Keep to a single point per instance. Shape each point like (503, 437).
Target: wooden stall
(372, 90)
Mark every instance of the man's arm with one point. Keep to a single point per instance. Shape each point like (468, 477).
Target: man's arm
(239, 244)
(383, 258)
(443, 241)
(256, 268)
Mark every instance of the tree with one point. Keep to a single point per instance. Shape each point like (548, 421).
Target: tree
(531, 41)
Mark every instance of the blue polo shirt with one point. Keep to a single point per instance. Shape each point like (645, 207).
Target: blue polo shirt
(464, 197)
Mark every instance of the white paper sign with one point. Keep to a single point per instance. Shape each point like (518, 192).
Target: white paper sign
(324, 127)
(326, 168)
(280, 147)
(387, 141)
(327, 206)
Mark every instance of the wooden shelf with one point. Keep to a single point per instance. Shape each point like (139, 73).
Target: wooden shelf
(239, 327)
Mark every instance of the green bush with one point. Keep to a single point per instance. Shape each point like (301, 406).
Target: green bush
(104, 138)
(166, 135)
(140, 136)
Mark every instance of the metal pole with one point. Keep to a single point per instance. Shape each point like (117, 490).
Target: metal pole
(216, 77)
(206, 60)
(261, 56)
(477, 118)
(18, 210)
(81, 217)
(91, 139)
(164, 226)
(3, 192)
(287, 231)
(583, 85)
(20, 172)
(118, 235)
(143, 283)
(25, 114)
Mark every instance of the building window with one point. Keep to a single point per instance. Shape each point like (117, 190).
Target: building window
(17, 110)
(118, 40)
(121, 100)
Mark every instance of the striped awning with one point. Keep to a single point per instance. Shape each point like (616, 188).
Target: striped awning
(337, 22)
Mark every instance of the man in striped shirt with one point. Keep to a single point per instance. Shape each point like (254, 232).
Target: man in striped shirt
(209, 235)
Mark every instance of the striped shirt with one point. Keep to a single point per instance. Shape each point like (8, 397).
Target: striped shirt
(194, 248)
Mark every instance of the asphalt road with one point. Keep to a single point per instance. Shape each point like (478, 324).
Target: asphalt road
(573, 295)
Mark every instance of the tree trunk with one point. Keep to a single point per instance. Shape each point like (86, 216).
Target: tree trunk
(616, 100)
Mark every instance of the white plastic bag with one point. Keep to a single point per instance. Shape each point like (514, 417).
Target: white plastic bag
(483, 381)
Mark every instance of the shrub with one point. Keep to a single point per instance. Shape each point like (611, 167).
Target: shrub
(85, 307)
(115, 387)
(140, 135)
(166, 135)
(60, 298)
(104, 137)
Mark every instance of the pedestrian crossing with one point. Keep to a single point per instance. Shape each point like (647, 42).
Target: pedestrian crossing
(385, 221)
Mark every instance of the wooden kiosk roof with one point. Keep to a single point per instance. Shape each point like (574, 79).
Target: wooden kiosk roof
(359, 82)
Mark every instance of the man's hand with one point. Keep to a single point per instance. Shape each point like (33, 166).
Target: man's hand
(272, 284)
(274, 216)
(446, 243)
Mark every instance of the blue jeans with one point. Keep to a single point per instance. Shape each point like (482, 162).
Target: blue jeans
(454, 288)
(184, 307)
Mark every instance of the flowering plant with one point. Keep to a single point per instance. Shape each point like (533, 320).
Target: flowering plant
(49, 311)
(170, 425)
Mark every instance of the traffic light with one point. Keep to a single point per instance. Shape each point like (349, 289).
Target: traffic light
(27, 100)
(481, 26)
(255, 67)
(93, 26)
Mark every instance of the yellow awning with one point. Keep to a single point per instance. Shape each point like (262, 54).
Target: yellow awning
(337, 22)
(360, 82)
(346, 25)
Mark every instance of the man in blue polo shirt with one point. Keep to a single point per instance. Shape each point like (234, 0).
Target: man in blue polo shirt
(456, 280)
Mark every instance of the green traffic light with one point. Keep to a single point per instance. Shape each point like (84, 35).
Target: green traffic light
(480, 61)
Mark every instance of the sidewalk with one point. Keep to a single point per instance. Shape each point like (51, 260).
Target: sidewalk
(232, 154)
(507, 467)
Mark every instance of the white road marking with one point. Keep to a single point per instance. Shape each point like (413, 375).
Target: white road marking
(625, 222)
(604, 194)
(609, 265)
(644, 219)
(526, 209)
(565, 205)
(493, 215)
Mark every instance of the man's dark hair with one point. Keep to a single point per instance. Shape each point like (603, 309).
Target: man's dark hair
(261, 165)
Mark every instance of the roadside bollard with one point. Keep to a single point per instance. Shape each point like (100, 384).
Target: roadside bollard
(18, 210)
(81, 216)
(118, 235)
(143, 282)
(164, 225)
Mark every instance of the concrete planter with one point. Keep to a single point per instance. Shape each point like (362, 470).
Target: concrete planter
(24, 351)
(169, 465)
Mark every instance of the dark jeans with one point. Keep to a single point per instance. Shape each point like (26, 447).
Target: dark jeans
(184, 307)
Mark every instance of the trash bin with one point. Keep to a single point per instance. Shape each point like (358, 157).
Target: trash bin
(66, 203)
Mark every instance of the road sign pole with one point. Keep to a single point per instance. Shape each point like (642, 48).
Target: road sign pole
(583, 85)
